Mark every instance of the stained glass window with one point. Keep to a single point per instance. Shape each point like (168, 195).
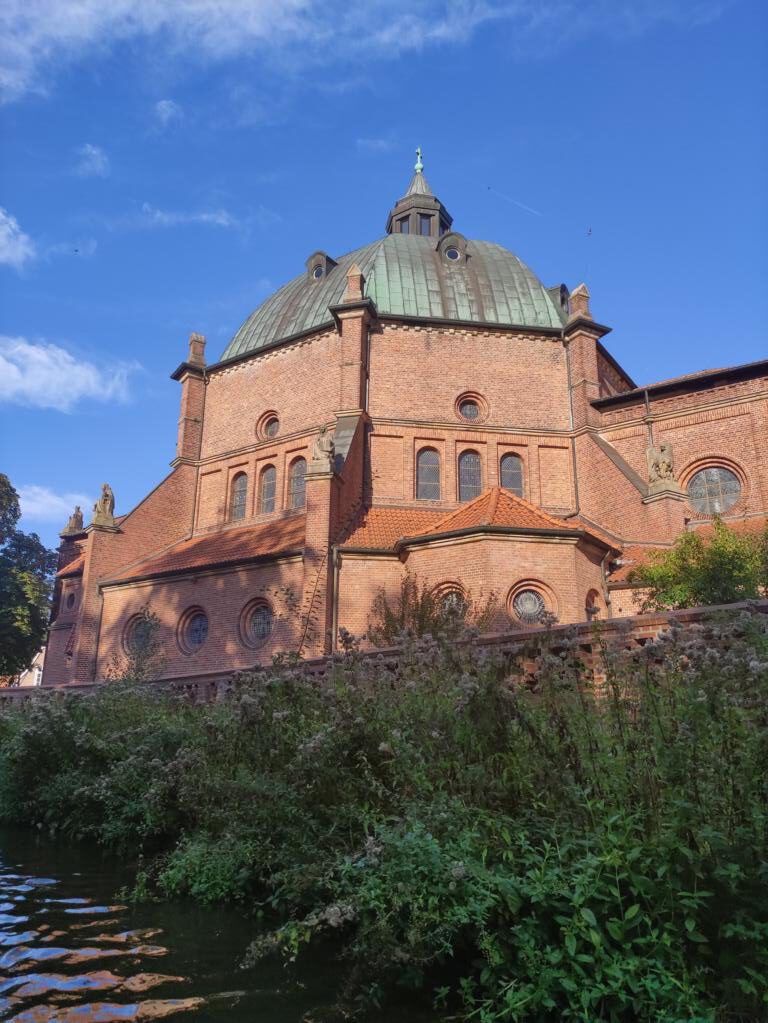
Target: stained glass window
(428, 475)
(470, 475)
(713, 491)
(529, 606)
(267, 489)
(196, 630)
(260, 624)
(512, 474)
(297, 487)
(237, 500)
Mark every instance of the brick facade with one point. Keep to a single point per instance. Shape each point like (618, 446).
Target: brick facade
(388, 388)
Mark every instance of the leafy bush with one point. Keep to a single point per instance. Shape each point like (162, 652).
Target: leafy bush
(551, 851)
(700, 572)
(420, 610)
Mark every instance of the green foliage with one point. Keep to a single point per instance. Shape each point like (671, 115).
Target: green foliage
(419, 610)
(700, 572)
(26, 583)
(543, 852)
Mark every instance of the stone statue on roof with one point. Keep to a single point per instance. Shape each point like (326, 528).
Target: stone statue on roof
(104, 509)
(75, 521)
(660, 467)
(323, 449)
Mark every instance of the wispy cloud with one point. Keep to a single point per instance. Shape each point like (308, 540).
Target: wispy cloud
(166, 111)
(378, 145)
(153, 217)
(37, 36)
(41, 504)
(16, 247)
(43, 375)
(92, 162)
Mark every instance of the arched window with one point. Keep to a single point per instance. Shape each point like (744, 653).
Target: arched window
(713, 491)
(428, 475)
(267, 487)
(237, 497)
(297, 487)
(512, 474)
(470, 475)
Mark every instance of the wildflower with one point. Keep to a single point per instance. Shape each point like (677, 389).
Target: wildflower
(458, 870)
(384, 747)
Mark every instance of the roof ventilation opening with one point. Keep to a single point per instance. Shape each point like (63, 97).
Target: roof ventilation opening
(319, 265)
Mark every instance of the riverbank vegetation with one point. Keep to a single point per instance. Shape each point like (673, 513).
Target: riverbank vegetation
(511, 849)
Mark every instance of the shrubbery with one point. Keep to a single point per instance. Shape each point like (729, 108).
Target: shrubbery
(519, 852)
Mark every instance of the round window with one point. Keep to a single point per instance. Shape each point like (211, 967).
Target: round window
(713, 491)
(139, 635)
(260, 624)
(469, 409)
(529, 606)
(317, 273)
(452, 253)
(70, 601)
(194, 631)
(271, 427)
(453, 604)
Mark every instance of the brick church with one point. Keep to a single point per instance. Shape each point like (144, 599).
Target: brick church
(423, 405)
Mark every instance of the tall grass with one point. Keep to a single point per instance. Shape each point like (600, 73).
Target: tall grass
(519, 852)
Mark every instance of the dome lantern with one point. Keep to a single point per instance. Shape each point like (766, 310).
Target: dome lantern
(419, 211)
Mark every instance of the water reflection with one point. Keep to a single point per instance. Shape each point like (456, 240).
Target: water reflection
(69, 953)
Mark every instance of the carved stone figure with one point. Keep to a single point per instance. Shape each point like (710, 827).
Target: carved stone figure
(104, 509)
(323, 449)
(75, 521)
(660, 467)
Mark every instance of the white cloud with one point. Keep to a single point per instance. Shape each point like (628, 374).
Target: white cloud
(154, 217)
(36, 36)
(375, 145)
(166, 111)
(41, 504)
(46, 376)
(92, 162)
(16, 247)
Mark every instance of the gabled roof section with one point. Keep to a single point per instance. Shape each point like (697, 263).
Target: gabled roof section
(75, 567)
(218, 550)
(500, 508)
(496, 510)
(380, 528)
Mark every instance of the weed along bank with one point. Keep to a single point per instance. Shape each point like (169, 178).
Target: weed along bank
(423, 406)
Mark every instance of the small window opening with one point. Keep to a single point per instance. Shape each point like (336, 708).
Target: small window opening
(425, 224)
(405, 225)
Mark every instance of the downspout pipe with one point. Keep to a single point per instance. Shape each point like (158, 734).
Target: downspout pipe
(604, 582)
(336, 556)
(577, 509)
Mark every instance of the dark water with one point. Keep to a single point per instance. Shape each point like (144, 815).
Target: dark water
(71, 953)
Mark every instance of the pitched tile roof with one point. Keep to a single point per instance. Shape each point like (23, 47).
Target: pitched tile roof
(744, 527)
(382, 528)
(227, 547)
(75, 567)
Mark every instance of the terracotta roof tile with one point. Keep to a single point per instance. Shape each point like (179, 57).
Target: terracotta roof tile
(745, 527)
(228, 547)
(631, 557)
(381, 528)
(75, 567)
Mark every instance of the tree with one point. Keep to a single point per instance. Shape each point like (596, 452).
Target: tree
(422, 611)
(699, 571)
(26, 584)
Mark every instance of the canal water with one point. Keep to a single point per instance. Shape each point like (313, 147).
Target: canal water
(71, 952)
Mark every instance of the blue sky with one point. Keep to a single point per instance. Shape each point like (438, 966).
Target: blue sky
(169, 163)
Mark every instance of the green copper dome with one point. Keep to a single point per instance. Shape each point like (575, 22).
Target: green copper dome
(421, 269)
(406, 276)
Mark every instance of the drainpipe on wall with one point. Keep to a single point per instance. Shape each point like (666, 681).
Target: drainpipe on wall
(576, 511)
(336, 556)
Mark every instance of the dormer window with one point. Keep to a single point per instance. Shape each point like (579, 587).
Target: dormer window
(319, 265)
(453, 248)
